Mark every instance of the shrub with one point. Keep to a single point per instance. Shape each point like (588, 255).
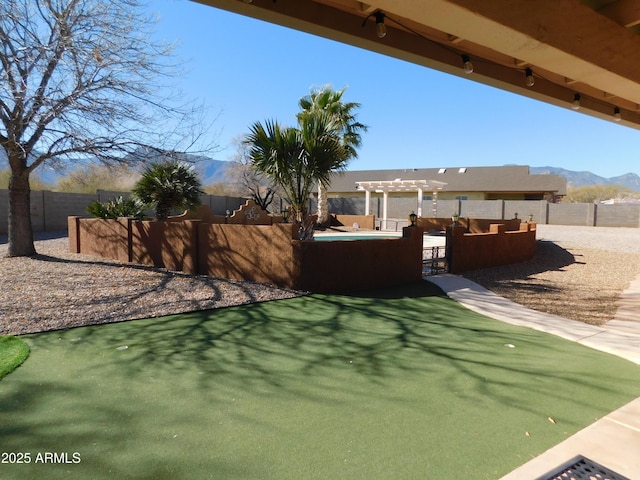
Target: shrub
(118, 207)
(169, 185)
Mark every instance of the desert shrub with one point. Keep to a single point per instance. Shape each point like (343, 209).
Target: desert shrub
(118, 207)
(169, 185)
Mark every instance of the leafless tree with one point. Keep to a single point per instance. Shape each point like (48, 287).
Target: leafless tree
(260, 187)
(78, 79)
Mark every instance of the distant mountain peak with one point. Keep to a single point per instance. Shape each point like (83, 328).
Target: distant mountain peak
(580, 179)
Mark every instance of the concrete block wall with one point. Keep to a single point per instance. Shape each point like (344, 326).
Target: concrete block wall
(50, 210)
(570, 214)
(58, 206)
(350, 205)
(444, 208)
(218, 205)
(524, 208)
(399, 207)
(108, 195)
(618, 216)
(482, 208)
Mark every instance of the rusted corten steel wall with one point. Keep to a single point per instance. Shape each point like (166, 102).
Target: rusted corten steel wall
(260, 253)
(471, 251)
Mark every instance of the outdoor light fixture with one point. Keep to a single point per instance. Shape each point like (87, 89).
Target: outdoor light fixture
(413, 217)
(616, 114)
(285, 215)
(530, 80)
(381, 29)
(466, 64)
(454, 218)
(530, 217)
(576, 102)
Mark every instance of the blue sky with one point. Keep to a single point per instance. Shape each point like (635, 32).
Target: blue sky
(247, 71)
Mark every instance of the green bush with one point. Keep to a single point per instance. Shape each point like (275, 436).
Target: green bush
(169, 185)
(118, 207)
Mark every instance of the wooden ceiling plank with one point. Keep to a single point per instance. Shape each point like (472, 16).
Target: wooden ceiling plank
(366, 8)
(329, 18)
(623, 12)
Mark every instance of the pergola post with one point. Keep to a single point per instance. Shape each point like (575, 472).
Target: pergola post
(385, 199)
(397, 185)
(434, 204)
(367, 201)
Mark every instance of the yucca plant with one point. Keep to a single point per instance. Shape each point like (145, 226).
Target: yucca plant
(169, 185)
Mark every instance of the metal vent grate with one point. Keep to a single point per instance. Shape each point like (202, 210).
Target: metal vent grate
(585, 469)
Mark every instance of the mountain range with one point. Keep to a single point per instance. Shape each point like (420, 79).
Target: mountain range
(210, 170)
(581, 179)
(215, 171)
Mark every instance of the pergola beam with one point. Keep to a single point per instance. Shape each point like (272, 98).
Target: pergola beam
(398, 185)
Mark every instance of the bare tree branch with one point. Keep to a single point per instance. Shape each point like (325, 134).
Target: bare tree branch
(85, 78)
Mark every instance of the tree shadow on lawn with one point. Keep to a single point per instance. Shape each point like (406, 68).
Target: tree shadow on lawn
(401, 368)
(93, 438)
(408, 331)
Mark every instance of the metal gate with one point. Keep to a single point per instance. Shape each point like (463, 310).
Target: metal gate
(434, 260)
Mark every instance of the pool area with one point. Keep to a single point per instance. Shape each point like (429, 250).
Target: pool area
(428, 240)
(331, 237)
(433, 246)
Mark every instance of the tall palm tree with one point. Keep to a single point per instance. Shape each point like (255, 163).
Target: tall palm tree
(169, 185)
(296, 157)
(329, 101)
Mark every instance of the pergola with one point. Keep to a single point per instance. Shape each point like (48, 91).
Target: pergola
(397, 185)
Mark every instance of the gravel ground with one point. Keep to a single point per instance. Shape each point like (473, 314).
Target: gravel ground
(577, 272)
(57, 289)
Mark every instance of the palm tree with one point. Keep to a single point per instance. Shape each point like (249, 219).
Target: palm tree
(169, 185)
(327, 100)
(296, 157)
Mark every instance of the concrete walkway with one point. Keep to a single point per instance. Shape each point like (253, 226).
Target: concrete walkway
(613, 441)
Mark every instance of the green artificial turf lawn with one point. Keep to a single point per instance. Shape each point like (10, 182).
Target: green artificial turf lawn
(13, 351)
(398, 384)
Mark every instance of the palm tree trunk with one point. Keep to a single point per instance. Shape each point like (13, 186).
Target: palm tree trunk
(323, 205)
(163, 210)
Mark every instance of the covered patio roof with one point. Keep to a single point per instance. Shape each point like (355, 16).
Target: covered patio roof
(581, 54)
